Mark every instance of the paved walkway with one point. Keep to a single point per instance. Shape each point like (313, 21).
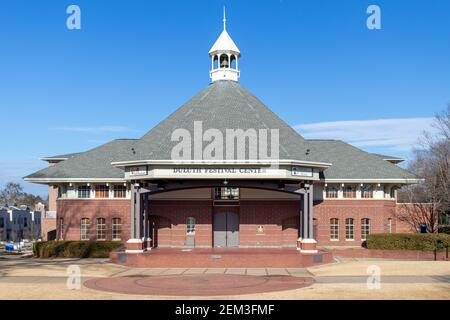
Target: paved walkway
(295, 272)
(347, 279)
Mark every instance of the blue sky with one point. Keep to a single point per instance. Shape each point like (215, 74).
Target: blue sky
(133, 62)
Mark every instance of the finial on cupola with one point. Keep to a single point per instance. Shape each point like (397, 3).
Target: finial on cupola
(224, 56)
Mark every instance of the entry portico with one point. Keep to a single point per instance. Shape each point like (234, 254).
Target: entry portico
(147, 181)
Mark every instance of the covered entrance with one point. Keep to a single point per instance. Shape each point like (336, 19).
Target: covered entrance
(226, 229)
(234, 223)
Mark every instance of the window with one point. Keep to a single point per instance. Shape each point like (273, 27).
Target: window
(367, 192)
(190, 225)
(390, 225)
(84, 229)
(101, 191)
(393, 192)
(101, 229)
(365, 228)
(334, 229)
(331, 193)
(349, 192)
(349, 229)
(226, 193)
(116, 228)
(120, 191)
(61, 228)
(84, 192)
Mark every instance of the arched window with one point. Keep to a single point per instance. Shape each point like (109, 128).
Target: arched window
(334, 229)
(233, 62)
(331, 193)
(61, 228)
(190, 225)
(116, 228)
(349, 229)
(365, 228)
(367, 192)
(84, 229)
(216, 62)
(101, 229)
(349, 192)
(390, 225)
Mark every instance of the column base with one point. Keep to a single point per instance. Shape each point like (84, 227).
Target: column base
(148, 244)
(134, 246)
(307, 246)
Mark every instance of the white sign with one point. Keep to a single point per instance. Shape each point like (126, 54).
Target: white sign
(302, 171)
(138, 171)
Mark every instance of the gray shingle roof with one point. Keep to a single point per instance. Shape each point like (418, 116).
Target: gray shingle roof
(349, 162)
(95, 163)
(222, 105)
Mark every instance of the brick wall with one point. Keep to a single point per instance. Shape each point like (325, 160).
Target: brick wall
(263, 223)
(378, 211)
(170, 220)
(72, 211)
(47, 225)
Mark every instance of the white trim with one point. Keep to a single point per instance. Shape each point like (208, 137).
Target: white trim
(134, 240)
(51, 180)
(134, 251)
(221, 162)
(409, 180)
(309, 251)
(308, 241)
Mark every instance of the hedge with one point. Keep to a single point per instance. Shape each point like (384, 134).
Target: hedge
(75, 249)
(413, 241)
(444, 229)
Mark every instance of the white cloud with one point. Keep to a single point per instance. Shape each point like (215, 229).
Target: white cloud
(103, 129)
(389, 134)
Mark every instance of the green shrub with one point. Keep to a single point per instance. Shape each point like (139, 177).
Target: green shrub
(413, 241)
(75, 249)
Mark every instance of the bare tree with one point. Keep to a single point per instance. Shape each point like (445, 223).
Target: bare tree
(430, 198)
(13, 195)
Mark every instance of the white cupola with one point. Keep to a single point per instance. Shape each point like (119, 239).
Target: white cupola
(224, 57)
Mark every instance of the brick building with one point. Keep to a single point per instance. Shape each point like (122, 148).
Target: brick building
(224, 171)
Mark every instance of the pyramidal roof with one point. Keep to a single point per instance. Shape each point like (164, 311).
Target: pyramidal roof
(224, 43)
(222, 105)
